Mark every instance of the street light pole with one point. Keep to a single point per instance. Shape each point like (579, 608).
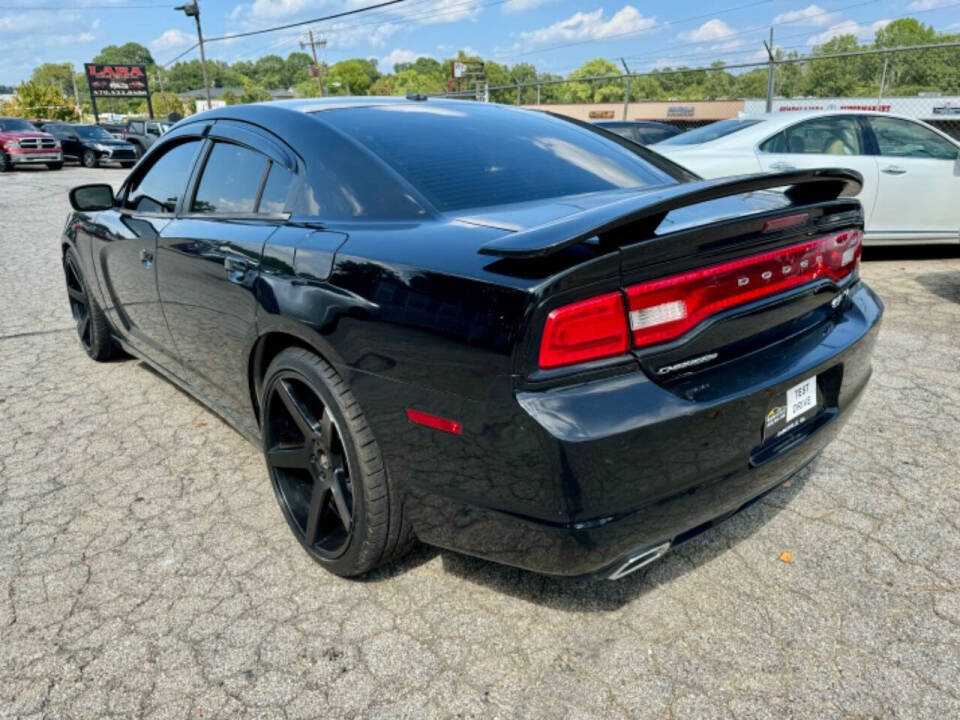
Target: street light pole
(192, 9)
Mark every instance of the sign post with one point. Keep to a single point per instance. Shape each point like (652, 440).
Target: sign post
(117, 81)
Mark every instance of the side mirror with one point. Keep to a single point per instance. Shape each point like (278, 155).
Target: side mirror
(91, 198)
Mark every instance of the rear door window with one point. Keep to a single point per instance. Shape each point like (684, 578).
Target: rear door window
(159, 189)
(838, 135)
(275, 190)
(231, 180)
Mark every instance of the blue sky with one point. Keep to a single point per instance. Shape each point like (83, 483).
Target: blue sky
(555, 35)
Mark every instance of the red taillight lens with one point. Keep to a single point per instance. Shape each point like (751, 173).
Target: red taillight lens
(665, 309)
(585, 330)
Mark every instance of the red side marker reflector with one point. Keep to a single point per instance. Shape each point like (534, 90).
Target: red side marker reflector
(784, 222)
(435, 422)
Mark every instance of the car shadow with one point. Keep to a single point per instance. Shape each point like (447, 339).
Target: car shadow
(943, 284)
(579, 594)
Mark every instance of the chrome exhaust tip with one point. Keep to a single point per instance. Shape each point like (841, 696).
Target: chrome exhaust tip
(641, 559)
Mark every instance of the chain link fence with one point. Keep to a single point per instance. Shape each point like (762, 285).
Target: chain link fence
(921, 82)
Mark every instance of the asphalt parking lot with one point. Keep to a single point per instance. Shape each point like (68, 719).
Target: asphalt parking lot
(146, 571)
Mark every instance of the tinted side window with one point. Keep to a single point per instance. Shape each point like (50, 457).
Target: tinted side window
(159, 189)
(902, 138)
(276, 190)
(820, 136)
(230, 181)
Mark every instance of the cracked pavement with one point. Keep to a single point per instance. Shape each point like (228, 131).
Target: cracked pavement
(146, 571)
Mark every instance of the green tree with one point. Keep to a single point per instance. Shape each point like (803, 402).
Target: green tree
(349, 77)
(130, 53)
(39, 101)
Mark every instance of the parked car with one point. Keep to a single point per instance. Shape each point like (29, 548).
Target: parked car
(143, 133)
(22, 144)
(496, 330)
(645, 132)
(91, 145)
(911, 175)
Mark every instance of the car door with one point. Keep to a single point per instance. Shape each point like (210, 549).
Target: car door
(827, 141)
(69, 142)
(919, 182)
(125, 250)
(208, 262)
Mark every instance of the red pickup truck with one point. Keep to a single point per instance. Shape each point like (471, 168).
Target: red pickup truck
(22, 144)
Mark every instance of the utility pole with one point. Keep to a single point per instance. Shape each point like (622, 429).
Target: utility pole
(316, 64)
(76, 95)
(192, 9)
(771, 72)
(626, 95)
(883, 80)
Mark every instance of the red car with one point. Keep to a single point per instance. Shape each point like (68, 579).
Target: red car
(22, 144)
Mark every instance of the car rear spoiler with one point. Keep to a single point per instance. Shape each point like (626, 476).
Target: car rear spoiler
(803, 187)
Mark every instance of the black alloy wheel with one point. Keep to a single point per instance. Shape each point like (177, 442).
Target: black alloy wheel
(89, 159)
(79, 304)
(326, 469)
(92, 326)
(308, 465)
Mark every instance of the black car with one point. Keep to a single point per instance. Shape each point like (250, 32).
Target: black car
(91, 145)
(492, 329)
(645, 132)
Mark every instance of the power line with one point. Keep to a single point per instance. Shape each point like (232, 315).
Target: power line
(276, 28)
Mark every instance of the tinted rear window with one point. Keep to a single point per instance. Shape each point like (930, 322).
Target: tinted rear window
(487, 155)
(230, 181)
(713, 131)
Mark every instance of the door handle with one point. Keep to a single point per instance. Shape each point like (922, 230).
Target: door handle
(780, 165)
(146, 258)
(893, 170)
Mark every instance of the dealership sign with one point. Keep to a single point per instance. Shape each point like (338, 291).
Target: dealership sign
(112, 81)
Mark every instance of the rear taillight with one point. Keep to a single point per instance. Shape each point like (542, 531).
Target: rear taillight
(665, 309)
(585, 330)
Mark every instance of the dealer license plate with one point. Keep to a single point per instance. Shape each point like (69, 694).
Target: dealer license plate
(798, 405)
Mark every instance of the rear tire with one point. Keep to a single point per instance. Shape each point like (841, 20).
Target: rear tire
(326, 468)
(55, 165)
(89, 159)
(93, 329)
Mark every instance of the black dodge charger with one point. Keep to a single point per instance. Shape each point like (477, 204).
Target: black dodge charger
(496, 330)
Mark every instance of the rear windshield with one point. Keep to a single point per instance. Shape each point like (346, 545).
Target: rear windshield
(15, 125)
(719, 129)
(487, 155)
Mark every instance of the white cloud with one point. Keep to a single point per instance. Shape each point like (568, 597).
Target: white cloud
(277, 9)
(930, 4)
(515, 6)
(589, 26)
(439, 11)
(810, 15)
(171, 40)
(716, 31)
(40, 20)
(847, 27)
(398, 55)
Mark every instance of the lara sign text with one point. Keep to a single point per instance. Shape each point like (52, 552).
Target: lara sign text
(117, 80)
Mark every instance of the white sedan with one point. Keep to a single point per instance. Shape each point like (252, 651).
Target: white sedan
(911, 171)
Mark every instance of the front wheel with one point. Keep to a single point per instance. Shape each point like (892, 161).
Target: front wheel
(55, 165)
(89, 159)
(92, 326)
(5, 164)
(127, 164)
(326, 469)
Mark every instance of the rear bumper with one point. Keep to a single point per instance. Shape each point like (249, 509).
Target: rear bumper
(640, 466)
